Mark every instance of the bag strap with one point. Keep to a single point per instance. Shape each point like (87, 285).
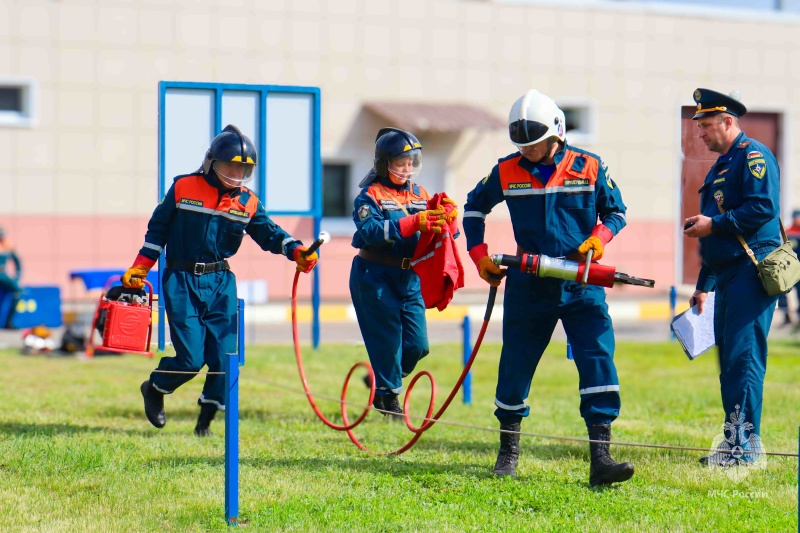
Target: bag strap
(393, 197)
(747, 248)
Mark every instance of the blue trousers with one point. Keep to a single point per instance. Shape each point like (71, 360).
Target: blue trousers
(531, 308)
(391, 316)
(742, 318)
(202, 326)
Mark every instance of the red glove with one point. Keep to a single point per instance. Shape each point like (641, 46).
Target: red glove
(133, 278)
(432, 220)
(305, 263)
(601, 236)
(489, 272)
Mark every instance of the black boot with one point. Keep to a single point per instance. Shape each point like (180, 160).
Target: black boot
(507, 457)
(377, 402)
(391, 407)
(724, 460)
(153, 405)
(604, 470)
(207, 412)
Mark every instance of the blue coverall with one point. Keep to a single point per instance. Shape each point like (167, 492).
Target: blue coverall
(9, 285)
(745, 182)
(553, 210)
(200, 221)
(387, 298)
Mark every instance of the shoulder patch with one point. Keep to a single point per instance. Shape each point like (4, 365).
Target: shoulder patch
(609, 181)
(754, 154)
(758, 167)
(363, 212)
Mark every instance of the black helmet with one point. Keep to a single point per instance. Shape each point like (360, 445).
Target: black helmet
(231, 146)
(391, 143)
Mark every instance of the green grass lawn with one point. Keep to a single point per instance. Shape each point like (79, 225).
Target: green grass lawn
(77, 454)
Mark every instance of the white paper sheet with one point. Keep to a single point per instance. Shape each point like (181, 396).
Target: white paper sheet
(695, 331)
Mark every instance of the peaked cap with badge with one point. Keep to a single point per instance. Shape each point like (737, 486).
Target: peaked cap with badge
(710, 103)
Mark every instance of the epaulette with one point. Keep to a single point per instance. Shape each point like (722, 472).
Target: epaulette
(743, 144)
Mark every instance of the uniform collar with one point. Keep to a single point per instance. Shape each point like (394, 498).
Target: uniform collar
(386, 182)
(530, 167)
(735, 146)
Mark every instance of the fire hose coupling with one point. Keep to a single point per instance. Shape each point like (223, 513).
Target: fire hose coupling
(543, 266)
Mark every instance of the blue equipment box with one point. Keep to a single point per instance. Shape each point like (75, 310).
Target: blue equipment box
(37, 306)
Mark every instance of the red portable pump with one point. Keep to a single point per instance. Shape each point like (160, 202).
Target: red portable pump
(590, 273)
(124, 318)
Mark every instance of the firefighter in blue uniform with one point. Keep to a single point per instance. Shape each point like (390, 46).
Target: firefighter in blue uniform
(390, 213)
(9, 284)
(555, 194)
(201, 221)
(739, 197)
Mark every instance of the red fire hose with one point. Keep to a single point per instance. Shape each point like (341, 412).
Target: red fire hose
(429, 420)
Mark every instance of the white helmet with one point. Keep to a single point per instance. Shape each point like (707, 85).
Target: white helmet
(535, 117)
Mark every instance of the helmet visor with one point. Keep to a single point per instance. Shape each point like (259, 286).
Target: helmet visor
(406, 165)
(233, 174)
(526, 131)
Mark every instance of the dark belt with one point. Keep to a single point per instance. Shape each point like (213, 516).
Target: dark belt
(402, 262)
(198, 269)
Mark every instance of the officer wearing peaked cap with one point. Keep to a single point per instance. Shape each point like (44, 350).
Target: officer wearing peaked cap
(739, 199)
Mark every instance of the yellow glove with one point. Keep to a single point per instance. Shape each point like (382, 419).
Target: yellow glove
(600, 236)
(133, 278)
(592, 243)
(451, 214)
(430, 221)
(305, 263)
(489, 272)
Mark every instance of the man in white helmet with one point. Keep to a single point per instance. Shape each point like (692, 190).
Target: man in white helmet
(555, 194)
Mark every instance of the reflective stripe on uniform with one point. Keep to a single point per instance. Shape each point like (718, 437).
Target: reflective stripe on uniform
(547, 190)
(213, 212)
(620, 215)
(501, 405)
(601, 388)
(284, 243)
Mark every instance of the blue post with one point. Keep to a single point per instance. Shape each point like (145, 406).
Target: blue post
(240, 342)
(673, 299)
(315, 303)
(467, 352)
(232, 363)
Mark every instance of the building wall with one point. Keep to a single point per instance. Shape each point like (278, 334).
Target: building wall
(79, 186)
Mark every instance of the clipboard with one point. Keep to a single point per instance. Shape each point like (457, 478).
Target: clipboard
(694, 331)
